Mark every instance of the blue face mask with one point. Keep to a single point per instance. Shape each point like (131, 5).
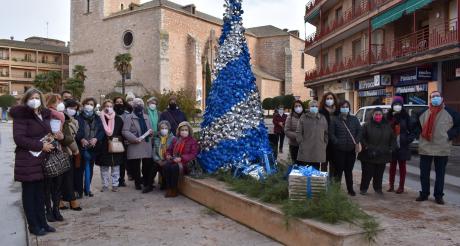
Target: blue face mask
(344, 110)
(436, 101)
(314, 110)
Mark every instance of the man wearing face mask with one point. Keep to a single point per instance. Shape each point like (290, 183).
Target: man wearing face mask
(90, 133)
(279, 119)
(173, 114)
(312, 136)
(438, 126)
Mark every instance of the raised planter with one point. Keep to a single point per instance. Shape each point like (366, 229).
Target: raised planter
(267, 218)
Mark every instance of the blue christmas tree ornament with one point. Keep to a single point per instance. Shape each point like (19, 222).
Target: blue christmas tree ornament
(233, 132)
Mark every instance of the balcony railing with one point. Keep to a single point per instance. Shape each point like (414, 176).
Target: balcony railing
(415, 43)
(348, 16)
(311, 5)
(4, 75)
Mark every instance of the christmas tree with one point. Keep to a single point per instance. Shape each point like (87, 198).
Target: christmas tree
(233, 131)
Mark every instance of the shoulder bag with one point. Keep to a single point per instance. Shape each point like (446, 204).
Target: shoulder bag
(358, 146)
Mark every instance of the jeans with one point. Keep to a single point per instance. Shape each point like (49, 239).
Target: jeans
(33, 202)
(344, 162)
(88, 166)
(440, 163)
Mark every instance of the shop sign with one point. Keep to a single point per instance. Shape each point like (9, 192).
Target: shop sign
(412, 89)
(368, 83)
(420, 74)
(424, 74)
(372, 93)
(385, 79)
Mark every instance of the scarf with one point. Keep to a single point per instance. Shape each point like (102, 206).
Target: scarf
(163, 147)
(142, 124)
(153, 116)
(108, 126)
(428, 127)
(179, 147)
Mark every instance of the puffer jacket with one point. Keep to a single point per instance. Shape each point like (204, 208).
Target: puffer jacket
(447, 128)
(290, 128)
(339, 136)
(378, 142)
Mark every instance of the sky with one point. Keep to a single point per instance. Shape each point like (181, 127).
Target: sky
(26, 18)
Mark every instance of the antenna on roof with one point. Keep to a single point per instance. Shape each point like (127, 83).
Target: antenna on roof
(47, 29)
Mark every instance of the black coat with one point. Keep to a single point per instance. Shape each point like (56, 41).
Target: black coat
(407, 135)
(111, 159)
(378, 142)
(340, 137)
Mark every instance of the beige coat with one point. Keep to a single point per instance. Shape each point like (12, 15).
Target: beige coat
(444, 132)
(312, 136)
(290, 129)
(131, 131)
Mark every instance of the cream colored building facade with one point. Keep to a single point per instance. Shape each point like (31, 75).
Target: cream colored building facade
(21, 61)
(170, 45)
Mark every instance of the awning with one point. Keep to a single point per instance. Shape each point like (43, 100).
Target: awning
(312, 16)
(397, 12)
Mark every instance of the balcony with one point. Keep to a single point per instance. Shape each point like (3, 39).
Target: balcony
(5, 75)
(350, 15)
(421, 42)
(311, 5)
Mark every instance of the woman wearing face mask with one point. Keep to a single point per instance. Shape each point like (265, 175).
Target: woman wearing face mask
(329, 107)
(69, 145)
(137, 130)
(291, 127)
(122, 109)
(279, 119)
(163, 140)
(90, 133)
(344, 134)
(173, 114)
(183, 150)
(53, 185)
(107, 160)
(154, 116)
(404, 129)
(312, 136)
(31, 124)
(378, 142)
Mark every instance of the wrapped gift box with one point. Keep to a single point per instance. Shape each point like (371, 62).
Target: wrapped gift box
(306, 182)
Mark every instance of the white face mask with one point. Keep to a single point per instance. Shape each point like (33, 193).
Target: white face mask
(164, 132)
(71, 112)
(55, 125)
(34, 103)
(298, 110)
(89, 108)
(60, 107)
(109, 110)
(397, 108)
(152, 106)
(281, 111)
(184, 133)
(329, 102)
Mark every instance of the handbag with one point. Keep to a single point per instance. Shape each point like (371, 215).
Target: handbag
(358, 146)
(115, 146)
(57, 163)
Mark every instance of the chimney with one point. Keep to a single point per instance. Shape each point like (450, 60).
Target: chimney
(190, 8)
(12, 37)
(285, 30)
(295, 33)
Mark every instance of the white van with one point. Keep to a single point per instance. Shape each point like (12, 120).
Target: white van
(365, 113)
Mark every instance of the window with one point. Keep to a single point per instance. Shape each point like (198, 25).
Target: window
(128, 75)
(27, 74)
(302, 61)
(453, 15)
(339, 15)
(378, 37)
(338, 55)
(128, 39)
(324, 61)
(56, 59)
(44, 59)
(122, 6)
(87, 6)
(357, 49)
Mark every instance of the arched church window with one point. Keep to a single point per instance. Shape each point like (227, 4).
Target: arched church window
(128, 39)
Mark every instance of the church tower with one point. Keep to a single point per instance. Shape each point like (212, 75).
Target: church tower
(113, 6)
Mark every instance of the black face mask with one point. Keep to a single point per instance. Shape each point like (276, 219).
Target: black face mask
(172, 106)
(119, 109)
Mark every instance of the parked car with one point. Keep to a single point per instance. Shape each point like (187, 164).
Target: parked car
(365, 113)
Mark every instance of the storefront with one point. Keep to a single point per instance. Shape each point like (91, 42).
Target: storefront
(412, 85)
(372, 90)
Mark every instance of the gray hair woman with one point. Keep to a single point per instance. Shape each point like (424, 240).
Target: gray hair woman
(163, 141)
(312, 136)
(137, 130)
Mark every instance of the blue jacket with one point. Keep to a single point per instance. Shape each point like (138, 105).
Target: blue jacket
(100, 133)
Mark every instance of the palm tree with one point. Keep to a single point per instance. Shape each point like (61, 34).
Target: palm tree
(123, 65)
(79, 72)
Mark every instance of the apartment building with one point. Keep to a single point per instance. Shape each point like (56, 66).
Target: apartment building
(367, 51)
(21, 61)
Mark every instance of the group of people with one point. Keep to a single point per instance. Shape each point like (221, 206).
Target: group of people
(126, 136)
(328, 137)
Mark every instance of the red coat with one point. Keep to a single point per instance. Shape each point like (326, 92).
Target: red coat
(189, 153)
(277, 118)
(28, 129)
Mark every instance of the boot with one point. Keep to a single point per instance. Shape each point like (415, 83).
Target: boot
(392, 188)
(168, 193)
(62, 205)
(75, 206)
(49, 215)
(57, 214)
(174, 192)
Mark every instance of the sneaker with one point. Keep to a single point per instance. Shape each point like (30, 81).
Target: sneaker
(114, 189)
(104, 189)
(439, 201)
(421, 198)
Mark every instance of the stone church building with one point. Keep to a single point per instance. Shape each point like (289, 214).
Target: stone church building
(170, 45)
